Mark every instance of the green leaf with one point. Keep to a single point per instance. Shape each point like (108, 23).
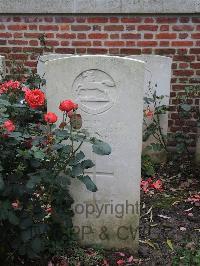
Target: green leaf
(186, 107)
(86, 164)
(39, 155)
(26, 235)
(88, 183)
(13, 219)
(37, 245)
(1, 183)
(33, 181)
(77, 170)
(63, 181)
(101, 148)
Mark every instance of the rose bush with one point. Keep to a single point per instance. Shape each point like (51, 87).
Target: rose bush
(37, 162)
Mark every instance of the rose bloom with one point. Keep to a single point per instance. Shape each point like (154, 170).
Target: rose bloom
(9, 126)
(50, 117)
(13, 85)
(67, 106)
(35, 98)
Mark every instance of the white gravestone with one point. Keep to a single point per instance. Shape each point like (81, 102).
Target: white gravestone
(158, 74)
(2, 67)
(41, 64)
(109, 91)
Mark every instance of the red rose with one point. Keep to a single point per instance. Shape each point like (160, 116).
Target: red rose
(67, 106)
(35, 98)
(50, 117)
(9, 126)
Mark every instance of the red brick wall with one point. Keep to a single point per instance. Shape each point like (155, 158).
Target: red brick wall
(176, 36)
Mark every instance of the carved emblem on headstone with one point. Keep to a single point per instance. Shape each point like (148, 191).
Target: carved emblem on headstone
(95, 91)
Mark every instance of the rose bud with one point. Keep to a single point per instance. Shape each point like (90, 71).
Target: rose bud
(67, 106)
(50, 118)
(9, 126)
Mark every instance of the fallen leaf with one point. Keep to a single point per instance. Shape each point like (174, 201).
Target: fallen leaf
(130, 259)
(169, 243)
(148, 242)
(182, 228)
(120, 262)
(164, 216)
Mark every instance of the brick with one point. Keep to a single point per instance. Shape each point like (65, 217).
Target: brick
(166, 35)
(81, 43)
(183, 27)
(184, 19)
(17, 27)
(65, 50)
(164, 43)
(31, 19)
(146, 51)
(80, 27)
(64, 43)
(183, 65)
(34, 35)
(196, 19)
(18, 42)
(147, 27)
(48, 19)
(165, 51)
(131, 20)
(130, 51)
(131, 36)
(114, 51)
(17, 35)
(182, 51)
(63, 27)
(64, 19)
(195, 65)
(32, 27)
(149, 20)
(183, 35)
(97, 20)
(114, 36)
(48, 27)
(114, 43)
(113, 28)
(65, 35)
(98, 36)
(5, 35)
(3, 42)
(196, 35)
(33, 43)
(96, 28)
(147, 43)
(182, 43)
(81, 50)
(195, 51)
(81, 36)
(113, 19)
(130, 27)
(52, 43)
(164, 28)
(18, 56)
(148, 36)
(2, 27)
(32, 64)
(97, 43)
(130, 43)
(97, 51)
(183, 72)
(81, 19)
(165, 19)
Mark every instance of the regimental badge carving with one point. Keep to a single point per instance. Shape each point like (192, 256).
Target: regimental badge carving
(95, 91)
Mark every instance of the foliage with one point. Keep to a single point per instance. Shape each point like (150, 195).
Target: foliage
(148, 167)
(187, 257)
(187, 114)
(37, 162)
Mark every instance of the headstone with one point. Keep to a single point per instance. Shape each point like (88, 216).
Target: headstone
(158, 75)
(2, 67)
(41, 65)
(109, 91)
